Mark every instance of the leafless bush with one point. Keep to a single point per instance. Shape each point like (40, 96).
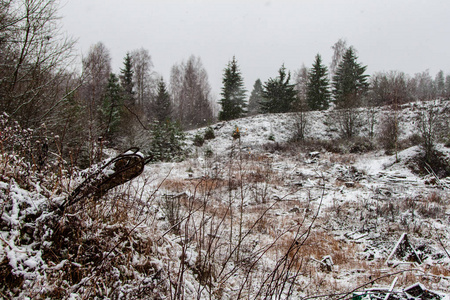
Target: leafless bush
(301, 126)
(348, 121)
(389, 132)
(432, 127)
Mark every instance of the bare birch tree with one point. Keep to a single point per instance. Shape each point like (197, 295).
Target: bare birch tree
(33, 59)
(191, 93)
(96, 69)
(142, 77)
(339, 49)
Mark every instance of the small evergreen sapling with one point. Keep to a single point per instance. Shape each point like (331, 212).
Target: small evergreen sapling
(209, 133)
(199, 140)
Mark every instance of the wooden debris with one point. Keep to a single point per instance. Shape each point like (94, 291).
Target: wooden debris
(314, 154)
(349, 184)
(403, 251)
(356, 235)
(418, 291)
(391, 288)
(326, 264)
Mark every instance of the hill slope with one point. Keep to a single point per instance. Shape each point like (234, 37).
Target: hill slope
(240, 218)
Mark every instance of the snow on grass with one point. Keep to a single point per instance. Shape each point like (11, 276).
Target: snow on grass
(363, 202)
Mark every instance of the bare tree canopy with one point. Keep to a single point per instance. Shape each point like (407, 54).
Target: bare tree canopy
(191, 93)
(34, 56)
(339, 48)
(143, 75)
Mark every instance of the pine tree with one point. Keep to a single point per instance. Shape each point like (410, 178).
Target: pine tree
(162, 105)
(318, 93)
(111, 107)
(255, 98)
(349, 82)
(278, 94)
(233, 93)
(126, 79)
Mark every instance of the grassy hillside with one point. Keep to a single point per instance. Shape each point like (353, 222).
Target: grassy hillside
(255, 216)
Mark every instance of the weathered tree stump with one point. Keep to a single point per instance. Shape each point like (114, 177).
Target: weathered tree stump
(117, 171)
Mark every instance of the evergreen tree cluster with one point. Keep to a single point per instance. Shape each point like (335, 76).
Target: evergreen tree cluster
(136, 107)
(112, 106)
(126, 79)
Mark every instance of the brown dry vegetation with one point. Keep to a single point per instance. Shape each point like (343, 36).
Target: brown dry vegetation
(209, 230)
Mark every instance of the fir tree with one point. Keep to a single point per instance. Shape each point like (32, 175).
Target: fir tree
(126, 79)
(167, 141)
(162, 105)
(233, 93)
(349, 82)
(111, 106)
(318, 93)
(255, 98)
(278, 94)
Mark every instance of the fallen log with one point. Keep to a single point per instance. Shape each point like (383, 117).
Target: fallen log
(119, 170)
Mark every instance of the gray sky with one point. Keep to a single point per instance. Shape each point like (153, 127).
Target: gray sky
(406, 35)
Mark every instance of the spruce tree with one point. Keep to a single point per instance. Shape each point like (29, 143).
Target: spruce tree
(255, 98)
(126, 79)
(233, 93)
(110, 110)
(349, 82)
(318, 93)
(162, 105)
(278, 94)
(167, 141)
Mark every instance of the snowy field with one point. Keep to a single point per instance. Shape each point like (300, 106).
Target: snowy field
(240, 218)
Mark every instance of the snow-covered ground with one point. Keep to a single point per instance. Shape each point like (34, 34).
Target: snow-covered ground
(248, 218)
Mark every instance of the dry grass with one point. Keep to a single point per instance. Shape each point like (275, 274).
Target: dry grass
(175, 185)
(99, 237)
(439, 270)
(344, 159)
(321, 244)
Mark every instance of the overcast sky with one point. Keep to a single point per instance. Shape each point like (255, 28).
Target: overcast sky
(406, 35)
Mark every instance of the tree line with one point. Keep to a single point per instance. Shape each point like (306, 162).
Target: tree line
(343, 85)
(95, 107)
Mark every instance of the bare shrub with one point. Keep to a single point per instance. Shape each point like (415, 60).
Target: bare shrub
(432, 128)
(348, 121)
(389, 132)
